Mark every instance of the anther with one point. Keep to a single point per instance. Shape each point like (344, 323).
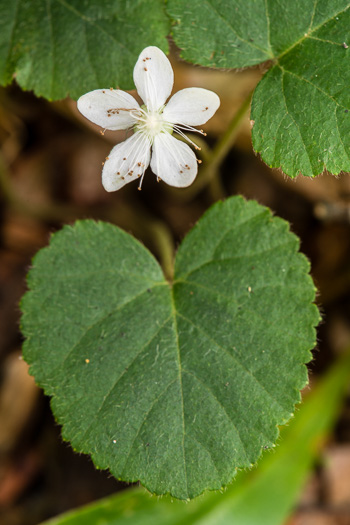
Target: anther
(199, 161)
(118, 172)
(139, 188)
(102, 132)
(206, 108)
(158, 179)
(181, 171)
(123, 178)
(107, 158)
(111, 89)
(103, 163)
(145, 68)
(139, 163)
(103, 91)
(124, 158)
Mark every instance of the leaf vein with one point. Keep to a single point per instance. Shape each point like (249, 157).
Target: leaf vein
(212, 393)
(154, 402)
(181, 388)
(96, 322)
(106, 397)
(295, 123)
(234, 359)
(226, 22)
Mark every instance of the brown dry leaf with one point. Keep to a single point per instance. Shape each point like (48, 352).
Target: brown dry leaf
(18, 397)
(337, 474)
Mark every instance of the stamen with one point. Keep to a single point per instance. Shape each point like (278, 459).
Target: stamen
(178, 130)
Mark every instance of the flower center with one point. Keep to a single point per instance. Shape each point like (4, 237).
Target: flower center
(151, 123)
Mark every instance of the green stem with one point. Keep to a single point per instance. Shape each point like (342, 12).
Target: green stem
(164, 244)
(208, 174)
(223, 146)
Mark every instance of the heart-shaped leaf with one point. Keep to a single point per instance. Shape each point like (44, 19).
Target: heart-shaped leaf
(175, 385)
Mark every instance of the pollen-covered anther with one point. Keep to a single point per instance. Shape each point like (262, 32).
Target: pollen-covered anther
(199, 161)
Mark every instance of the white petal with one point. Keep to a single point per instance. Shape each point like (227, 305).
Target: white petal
(191, 106)
(153, 77)
(126, 162)
(108, 108)
(173, 161)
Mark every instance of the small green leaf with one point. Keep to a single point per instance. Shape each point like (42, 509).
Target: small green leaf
(301, 107)
(173, 385)
(68, 47)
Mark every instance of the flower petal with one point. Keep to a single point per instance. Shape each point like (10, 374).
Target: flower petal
(191, 107)
(173, 161)
(153, 77)
(126, 162)
(109, 108)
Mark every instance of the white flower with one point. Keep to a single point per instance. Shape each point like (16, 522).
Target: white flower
(171, 159)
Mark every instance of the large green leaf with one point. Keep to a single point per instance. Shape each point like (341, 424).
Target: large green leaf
(175, 385)
(265, 495)
(301, 106)
(68, 47)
